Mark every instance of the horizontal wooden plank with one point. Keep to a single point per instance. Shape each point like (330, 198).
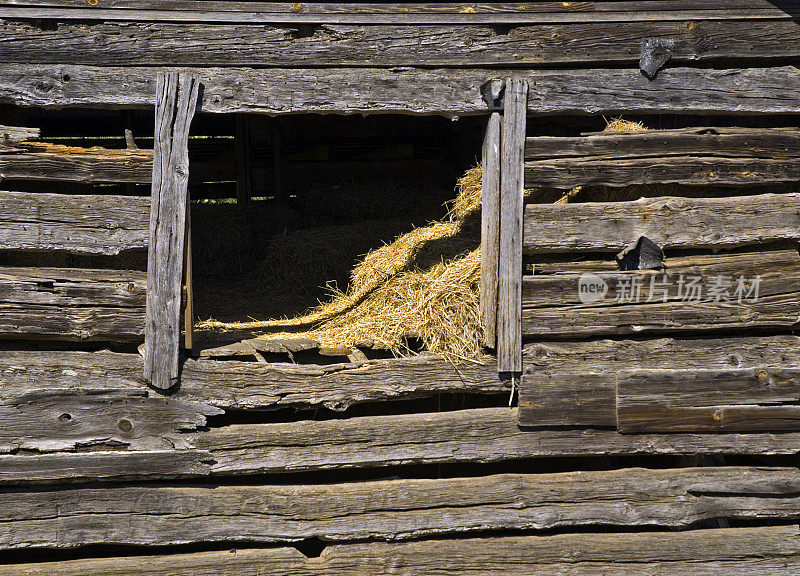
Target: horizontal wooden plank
(574, 383)
(414, 91)
(13, 135)
(709, 401)
(670, 222)
(137, 43)
(90, 224)
(698, 293)
(394, 509)
(117, 465)
(766, 551)
(694, 156)
(55, 162)
(72, 304)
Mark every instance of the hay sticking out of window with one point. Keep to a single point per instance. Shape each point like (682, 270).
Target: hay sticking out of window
(424, 285)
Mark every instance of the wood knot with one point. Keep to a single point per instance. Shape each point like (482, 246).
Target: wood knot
(763, 377)
(717, 416)
(125, 425)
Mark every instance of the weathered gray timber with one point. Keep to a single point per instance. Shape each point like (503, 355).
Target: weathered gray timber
(414, 91)
(479, 435)
(72, 303)
(394, 509)
(574, 383)
(252, 385)
(693, 156)
(759, 399)
(696, 293)
(458, 45)
(10, 136)
(49, 421)
(86, 224)
(44, 161)
(118, 466)
(509, 290)
(412, 13)
(176, 99)
(670, 222)
(766, 551)
(490, 228)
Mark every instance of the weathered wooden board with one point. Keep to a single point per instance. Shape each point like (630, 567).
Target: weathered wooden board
(394, 509)
(12, 135)
(765, 551)
(670, 222)
(138, 43)
(44, 161)
(72, 303)
(574, 383)
(697, 293)
(414, 91)
(176, 99)
(694, 156)
(709, 401)
(90, 224)
(49, 421)
(490, 227)
(509, 290)
(117, 466)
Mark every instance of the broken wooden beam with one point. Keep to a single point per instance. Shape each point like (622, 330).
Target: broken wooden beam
(669, 221)
(79, 224)
(176, 99)
(10, 136)
(445, 92)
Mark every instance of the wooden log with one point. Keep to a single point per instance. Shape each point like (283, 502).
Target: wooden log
(752, 399)
(72, 304)
(490, 228)
(766, 551)
(48, 421)
(177, 95)
(55, 162)
(394, 509)
(85, 224)
(377, 44)
(117, 466)
(574, 383)
(697, 293)
(670, 222)
(694, 156)
(414, 91)
(509, 290)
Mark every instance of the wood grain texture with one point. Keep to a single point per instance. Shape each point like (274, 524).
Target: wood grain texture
(670, 222)
(574, 383)
(54, 162)
(177, 95)
(761, 399)
(394, 509)
(697, 293)
(72, 303)
(90, 224)
(414, 91)
(763, 551)
(12, 135)
(103, 466)
(695, 156)
(509, 289)
(140, 43)
(490, 228)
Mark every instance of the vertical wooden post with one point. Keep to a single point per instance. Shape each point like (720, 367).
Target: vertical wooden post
(176, 99)
(509, 288)
(244, 176)
(490, 228)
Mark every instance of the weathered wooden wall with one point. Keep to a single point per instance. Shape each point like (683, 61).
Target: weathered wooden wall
(414, 466)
